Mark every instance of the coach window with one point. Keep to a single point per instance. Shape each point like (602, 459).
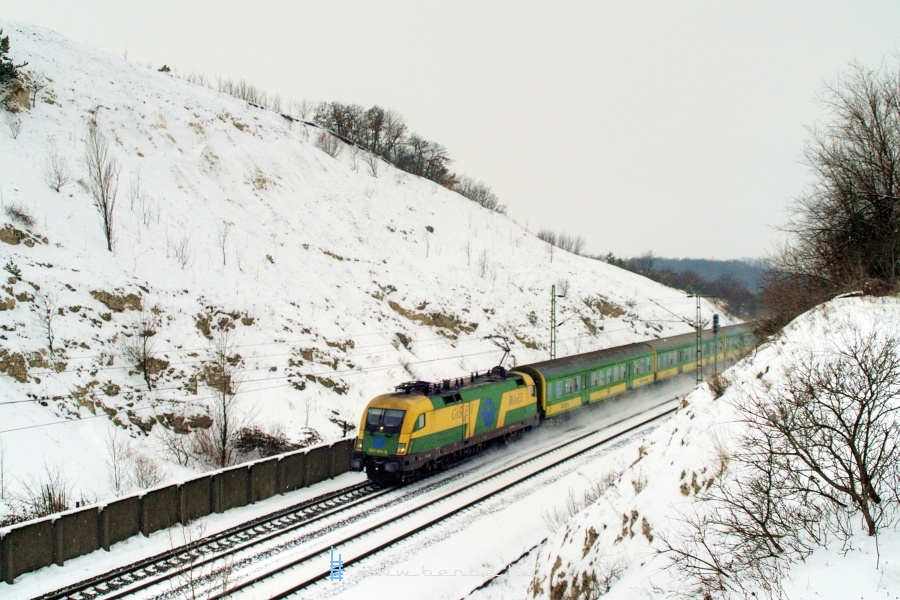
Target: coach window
(559, 390)
(576, 383)
(596, 378)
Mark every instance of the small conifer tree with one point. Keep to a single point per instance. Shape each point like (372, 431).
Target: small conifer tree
(9, 71)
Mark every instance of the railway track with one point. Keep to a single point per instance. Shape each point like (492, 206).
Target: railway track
(285, 553)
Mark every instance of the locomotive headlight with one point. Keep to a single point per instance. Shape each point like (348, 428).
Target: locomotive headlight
(401, 448)
(359, 445)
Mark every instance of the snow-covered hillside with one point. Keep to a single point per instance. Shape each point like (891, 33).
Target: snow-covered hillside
(334, 284)
(618, 537)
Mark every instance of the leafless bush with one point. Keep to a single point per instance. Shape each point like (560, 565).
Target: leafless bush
(180, 249)
(180, 446)
(146, 471)
(56, 170)
(373, 161)
(329, 144)
(199, 579)
(479, 192)
(117, 451)
(49, 495)
(136, 193)
(548, 236)
(718, 383)
(102, 180)
(571, 243)
(14, 123)
(138, 345)
(18, 213)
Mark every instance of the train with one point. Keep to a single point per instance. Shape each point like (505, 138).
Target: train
(425, 426)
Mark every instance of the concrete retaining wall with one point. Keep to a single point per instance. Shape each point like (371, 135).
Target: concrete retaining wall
(30, 546)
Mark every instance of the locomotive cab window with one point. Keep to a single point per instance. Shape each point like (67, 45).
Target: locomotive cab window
(420, 422)
(384, 420)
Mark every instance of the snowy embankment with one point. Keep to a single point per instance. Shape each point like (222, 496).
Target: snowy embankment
(618, 538)
(334, 282)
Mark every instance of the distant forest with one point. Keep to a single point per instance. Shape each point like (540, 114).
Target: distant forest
(736, 282)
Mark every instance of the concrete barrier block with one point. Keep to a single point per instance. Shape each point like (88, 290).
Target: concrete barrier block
(76, 534)
(263, 479)
(119, 521)
(159, 509)
(195, 499)
(341, 453)
(233, 487)
(26, 548)
(318, 467)
(292, 472)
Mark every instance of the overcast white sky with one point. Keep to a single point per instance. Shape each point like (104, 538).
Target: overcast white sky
(676, 127)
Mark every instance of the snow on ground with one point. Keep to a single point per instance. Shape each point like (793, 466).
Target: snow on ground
(620, 531)
(335, 284)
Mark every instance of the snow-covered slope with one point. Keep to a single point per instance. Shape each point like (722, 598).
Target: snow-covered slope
(334, 284)
(617, 538)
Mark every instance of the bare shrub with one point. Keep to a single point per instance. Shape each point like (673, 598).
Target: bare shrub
(139, 347)
(46, 496)
(14, 123)
(718, 383)
(56, 170)
(199, 579)
(180, 446)
(329, 144)
(146, 471)
(481, 193)
(373, 161)
(253, 439)
(18, 213)
(180, 249)
(117, 451)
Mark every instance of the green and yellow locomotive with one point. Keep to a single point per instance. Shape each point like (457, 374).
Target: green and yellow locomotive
(424, 426)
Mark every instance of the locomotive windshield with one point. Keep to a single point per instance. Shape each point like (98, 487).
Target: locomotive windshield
(384, 420)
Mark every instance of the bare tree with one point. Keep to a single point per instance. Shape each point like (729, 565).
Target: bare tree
(224, 230)
(845, 230)
(303, 108)
(56, 170)
(35, 83)
(835, 425)
(117, 452)
(102, 178)
(46, 313)
(217, 442)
